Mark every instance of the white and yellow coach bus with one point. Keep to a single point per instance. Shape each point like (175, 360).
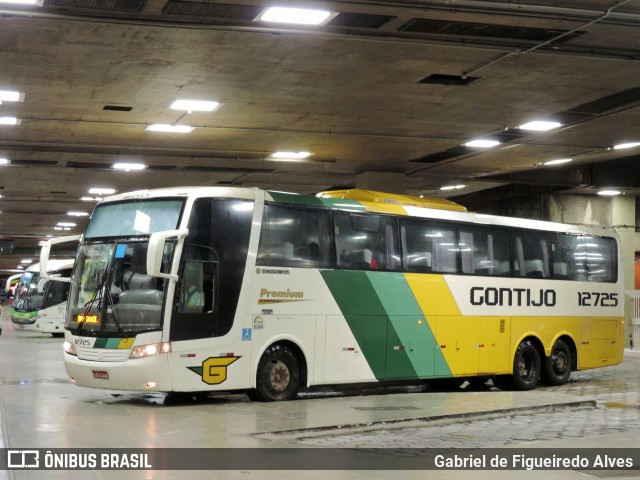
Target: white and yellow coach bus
(201, 289)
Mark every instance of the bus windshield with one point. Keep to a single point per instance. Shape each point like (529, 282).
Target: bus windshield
(134, 218)
(111, 292)
(28, 297)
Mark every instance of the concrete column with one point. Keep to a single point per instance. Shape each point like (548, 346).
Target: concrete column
(623, 219)
(388, 182)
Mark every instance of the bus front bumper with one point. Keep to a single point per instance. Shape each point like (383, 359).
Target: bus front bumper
(149, 374)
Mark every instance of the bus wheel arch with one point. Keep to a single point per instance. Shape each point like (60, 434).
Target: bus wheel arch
(562, 360)
(280, 373)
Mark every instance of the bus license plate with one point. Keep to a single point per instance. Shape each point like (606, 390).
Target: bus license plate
(100, 374)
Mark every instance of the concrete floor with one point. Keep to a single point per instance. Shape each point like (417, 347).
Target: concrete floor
(40, 408)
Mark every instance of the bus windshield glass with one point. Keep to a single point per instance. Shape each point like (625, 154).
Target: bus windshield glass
(28, 298)
(111, 292)
(134, 218)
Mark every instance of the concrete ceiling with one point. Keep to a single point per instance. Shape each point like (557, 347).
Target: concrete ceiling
(385, 86)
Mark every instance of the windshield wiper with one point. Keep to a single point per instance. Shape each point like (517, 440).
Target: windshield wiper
(101, 291)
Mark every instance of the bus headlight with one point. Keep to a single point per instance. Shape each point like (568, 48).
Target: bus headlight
(69, 348)
(151, 349)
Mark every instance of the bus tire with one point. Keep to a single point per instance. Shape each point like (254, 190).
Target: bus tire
(527, 366)
(557, 366)
(278, 376)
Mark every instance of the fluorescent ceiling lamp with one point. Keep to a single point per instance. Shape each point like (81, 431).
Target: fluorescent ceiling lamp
(127, 167)
(26, 260)
(66, 224)
(452, 187)
(482, 143)
(9, 121)
(558, 161)
(609, 193)
(622, 146)
(24, 2)
(165, 127)
(101, 191)
(4, 161)
(195, 105)
(290, 155)
(299, 16)
(11, 96)
(540, 126)
(78, 214)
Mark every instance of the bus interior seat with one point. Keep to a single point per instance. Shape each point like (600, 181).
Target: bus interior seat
(483, 266)
(503, 268)
(134, 281)
(360, 258)
(139, 307)
(420, 261)
(533, 268)
(560, 269)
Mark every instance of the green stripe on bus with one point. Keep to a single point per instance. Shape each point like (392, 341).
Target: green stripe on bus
(100, 343)
(370, 324)
(414, 336)
(307, 200)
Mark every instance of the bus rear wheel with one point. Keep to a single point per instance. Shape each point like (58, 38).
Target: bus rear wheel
(557, 366)
(527, 366)
(278, 376)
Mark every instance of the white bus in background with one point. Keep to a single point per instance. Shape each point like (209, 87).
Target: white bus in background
(12, 283)
(39, 305)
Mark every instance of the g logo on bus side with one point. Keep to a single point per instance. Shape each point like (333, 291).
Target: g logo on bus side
(214, 369)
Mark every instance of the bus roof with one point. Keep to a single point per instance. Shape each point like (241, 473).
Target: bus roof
(53, 265)
(357, 200)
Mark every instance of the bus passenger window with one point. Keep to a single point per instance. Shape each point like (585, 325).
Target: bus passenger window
(294, 237)
(531, 250)
(484, 250)
(430, 246)
(366, 241)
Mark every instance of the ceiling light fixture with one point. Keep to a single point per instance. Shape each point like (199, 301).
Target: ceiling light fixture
(482, 143)
(540, 126)
(623, 146)
(127, 167)
(26, 261)
(195, 105)
(9, 121)
(101, 191)
(37, 3)
(11, 96)
(66, 224)
(609, 193)
(78, 214)
(452, 187)
(558, 161)
(165, 127)
(289, 156)
(4, 161)
(298, 16)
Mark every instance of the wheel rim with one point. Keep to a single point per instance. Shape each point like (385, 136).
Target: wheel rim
(560, 362)
(526, 367)
(279, 376)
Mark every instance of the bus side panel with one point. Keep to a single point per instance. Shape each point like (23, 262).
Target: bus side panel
(602, 342)
(345, 360)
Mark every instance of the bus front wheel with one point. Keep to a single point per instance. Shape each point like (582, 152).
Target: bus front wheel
(278, 376)
(558, 364)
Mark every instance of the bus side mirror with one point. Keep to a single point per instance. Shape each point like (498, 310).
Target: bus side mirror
(44, 256)
(155, 253)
